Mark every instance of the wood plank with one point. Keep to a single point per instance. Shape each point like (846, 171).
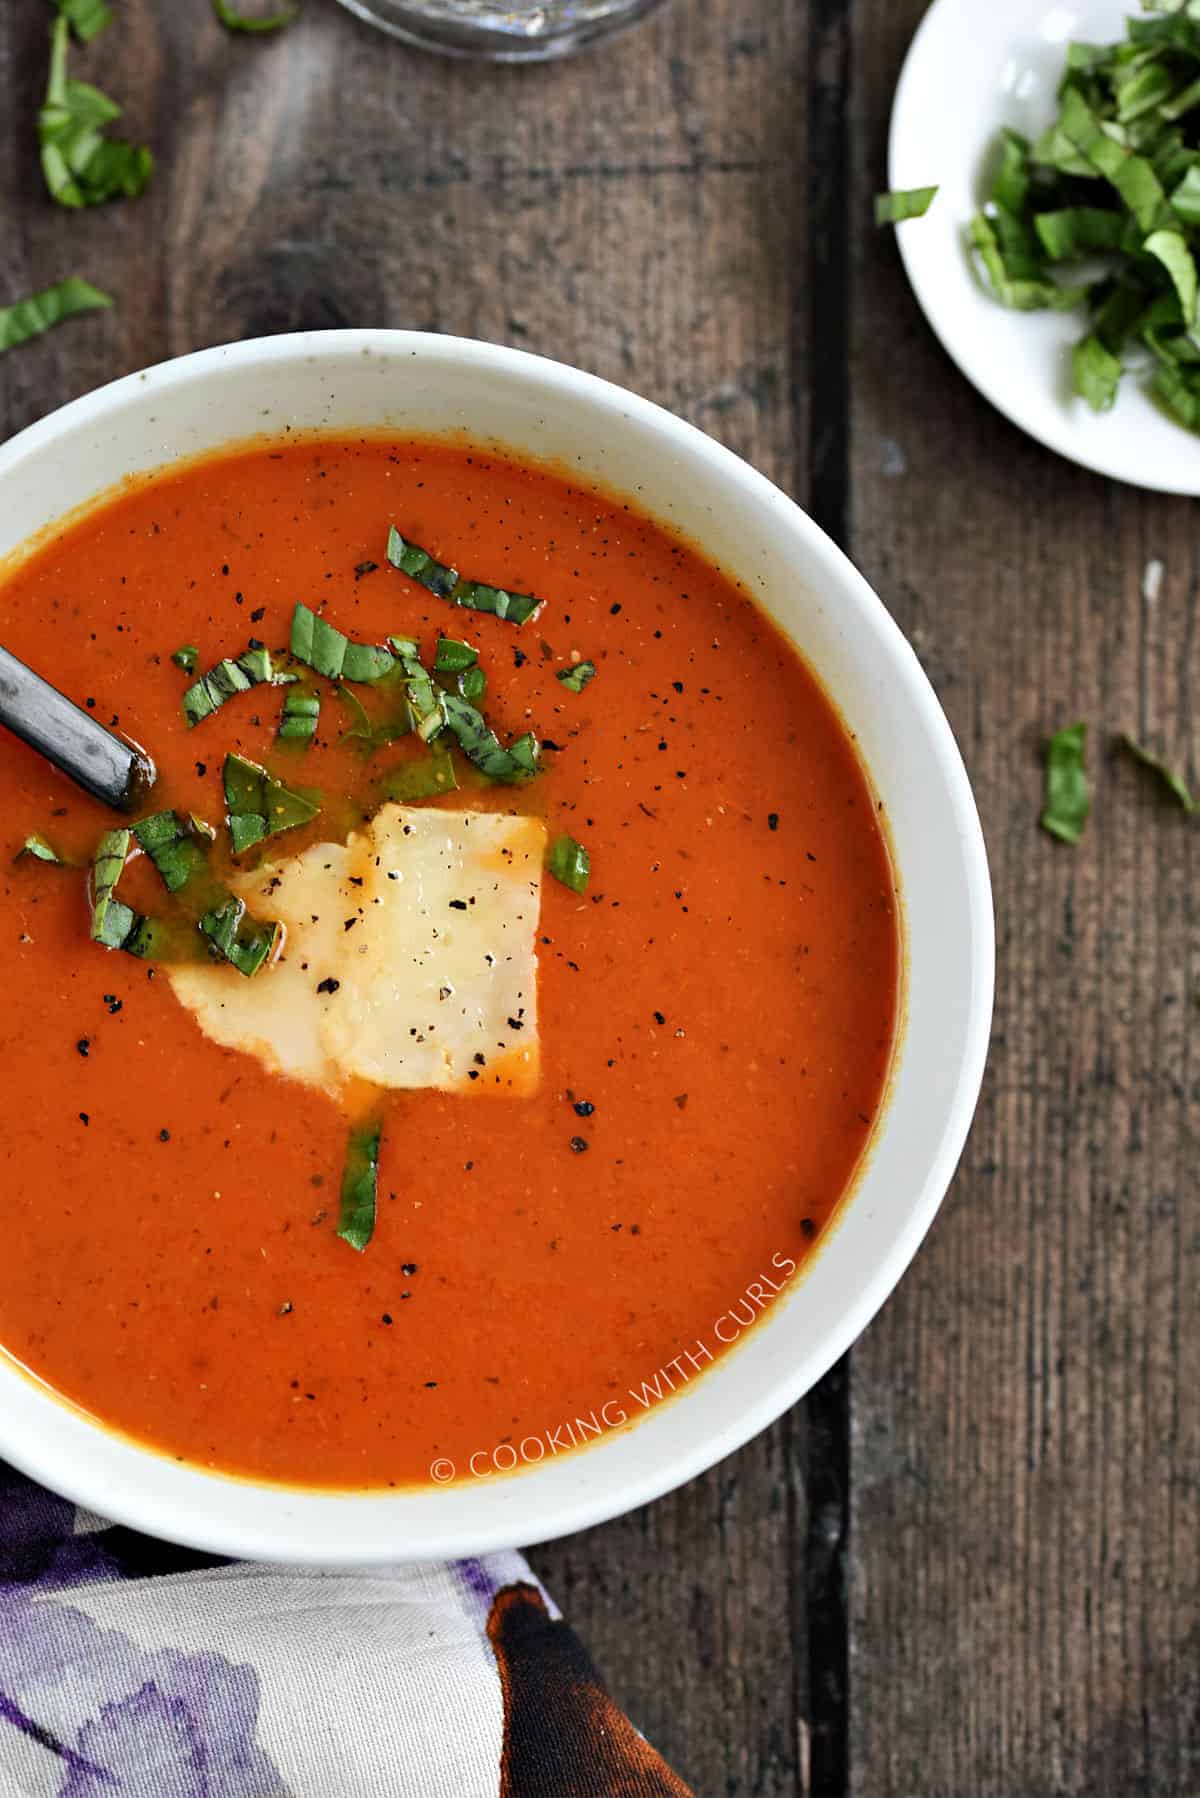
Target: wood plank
(641, 212)
(1026, 1504)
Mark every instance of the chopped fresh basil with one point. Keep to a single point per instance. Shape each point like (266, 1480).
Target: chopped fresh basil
(454, 656)
(87, 18)
(568, 861)
(236, 21)
(80, 164)
(238, 938)
(1068, 793)
(186, 657)
(360, 1182)
(456, 664)
(424, 779)
(317, 642)
(426, 702)
(298, 724)
(253, 668)
(1112, 191)
(173, 844)
(480, 744)
(1097, 374)
(904, 203)
(446, 583)
(577, 678)
(116, 925)
(1174, 783)
(471, 684)
(36, 848)
(260, 806)
(29, 318)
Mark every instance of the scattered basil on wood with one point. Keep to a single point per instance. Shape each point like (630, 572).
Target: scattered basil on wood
(360, 1187)
(446, 583)
(80, 164)
(41, 311)
(1174, 783)
(239, 21)
(569, 863)
(87, 18)
(903, 203)
(1068, 792)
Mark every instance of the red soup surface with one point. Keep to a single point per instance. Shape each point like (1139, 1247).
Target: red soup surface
(717, 1011)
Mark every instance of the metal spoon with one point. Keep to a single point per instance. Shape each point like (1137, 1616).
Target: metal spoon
(106, 766)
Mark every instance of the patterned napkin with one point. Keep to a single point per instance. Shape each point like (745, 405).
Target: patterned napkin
(130, 1669)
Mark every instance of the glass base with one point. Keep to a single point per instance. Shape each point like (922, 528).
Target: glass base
(518, 33)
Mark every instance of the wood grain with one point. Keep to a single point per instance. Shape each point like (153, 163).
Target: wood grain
(1026, 1449)
(687, 212)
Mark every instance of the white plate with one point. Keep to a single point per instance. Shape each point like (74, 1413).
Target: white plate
(975, 66)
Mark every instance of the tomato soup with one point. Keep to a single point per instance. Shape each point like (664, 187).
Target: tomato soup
(526, 1258)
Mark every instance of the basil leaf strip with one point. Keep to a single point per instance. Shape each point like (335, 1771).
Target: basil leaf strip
(253, 668)
(41, 311)
(260, 806)
(36, 848)
(87, 18)
(116, 925)
(298, 724)
(174, 846)
(480, 744)
(80, 165)
(903, 203)
(1068, 793)
(238, 938)
(577, 678)
(360, 1183)
(186, 657)
(1174, 783)
(446, 583)
(317, 642)
(569, 862)
(236, 21)
(1097, 373)
(453, 656)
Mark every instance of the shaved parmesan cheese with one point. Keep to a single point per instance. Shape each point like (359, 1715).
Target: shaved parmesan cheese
(409, 958)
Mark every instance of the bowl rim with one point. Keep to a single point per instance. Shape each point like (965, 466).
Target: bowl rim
(554, 1514)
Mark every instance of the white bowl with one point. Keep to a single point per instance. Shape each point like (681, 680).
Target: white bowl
(973, 67)
(409, 382)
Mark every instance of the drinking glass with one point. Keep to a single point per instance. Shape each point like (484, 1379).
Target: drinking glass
(525, 31)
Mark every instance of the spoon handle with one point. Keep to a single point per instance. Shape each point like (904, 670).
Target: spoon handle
(110, 769)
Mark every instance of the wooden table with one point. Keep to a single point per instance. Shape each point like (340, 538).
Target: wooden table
(969, 1565)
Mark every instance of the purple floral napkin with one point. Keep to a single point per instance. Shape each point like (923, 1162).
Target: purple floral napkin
(131, 1669)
